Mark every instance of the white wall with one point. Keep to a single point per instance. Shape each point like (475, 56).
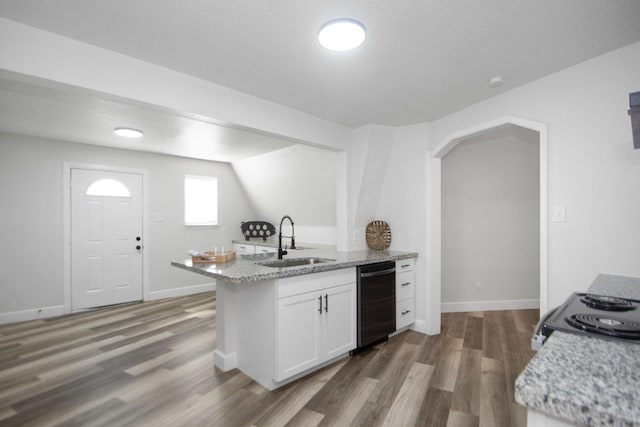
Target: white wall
(299, 181)
(490, 222)
(593, 170)
(402, 204)
(368, 158)
(31, 176)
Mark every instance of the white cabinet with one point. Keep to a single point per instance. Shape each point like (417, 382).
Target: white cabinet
(265, 249)
(405, 292)
(339, 321)
(314, 323)
(315, 327)
(290, 326)
(244, 248)
(250, 248)
(298, 334)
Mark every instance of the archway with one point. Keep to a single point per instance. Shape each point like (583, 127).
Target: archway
(434, 203)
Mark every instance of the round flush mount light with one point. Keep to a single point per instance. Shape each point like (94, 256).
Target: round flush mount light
(127, 132)
(342, 34)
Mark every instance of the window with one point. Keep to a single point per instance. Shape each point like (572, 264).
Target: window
(108, 188)
(200, 200)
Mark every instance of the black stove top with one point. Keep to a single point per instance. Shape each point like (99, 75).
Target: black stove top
(596, 315)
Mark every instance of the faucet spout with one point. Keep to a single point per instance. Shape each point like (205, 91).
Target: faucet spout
(282, 252)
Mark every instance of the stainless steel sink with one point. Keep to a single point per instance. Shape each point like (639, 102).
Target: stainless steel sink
(294, 262)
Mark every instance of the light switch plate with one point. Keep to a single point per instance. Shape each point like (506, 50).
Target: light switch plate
(559, 214)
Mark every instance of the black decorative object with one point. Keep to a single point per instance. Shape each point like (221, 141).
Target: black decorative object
(257, 229)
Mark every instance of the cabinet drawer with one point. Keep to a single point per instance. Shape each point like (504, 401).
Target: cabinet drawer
(265, 249)
(405, 287)
(405, 313)
(244, 248)
(314, 282)
(405, 265)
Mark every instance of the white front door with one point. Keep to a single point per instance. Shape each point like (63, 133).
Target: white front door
(106, 238)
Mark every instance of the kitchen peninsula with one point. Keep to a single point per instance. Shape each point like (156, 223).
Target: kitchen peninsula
(277, 324)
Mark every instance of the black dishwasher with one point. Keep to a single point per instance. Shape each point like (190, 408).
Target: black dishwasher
(376, 302)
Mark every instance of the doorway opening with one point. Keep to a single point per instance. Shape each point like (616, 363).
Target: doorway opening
(490, 222)
(434, 212)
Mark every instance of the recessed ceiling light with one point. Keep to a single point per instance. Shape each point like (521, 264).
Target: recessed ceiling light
(341, 34)
(127, 132)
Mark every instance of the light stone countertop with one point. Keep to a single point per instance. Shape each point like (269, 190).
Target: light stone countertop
(584, 380)
(245, 270)
(616, 286)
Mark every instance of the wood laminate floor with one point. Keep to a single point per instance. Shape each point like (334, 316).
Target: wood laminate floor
(151, 364)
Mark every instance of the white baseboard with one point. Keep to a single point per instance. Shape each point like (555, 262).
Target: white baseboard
(31, 314)
(225, 362)
(183, 291)
(58, 310)
(518, 304)
(420, 326)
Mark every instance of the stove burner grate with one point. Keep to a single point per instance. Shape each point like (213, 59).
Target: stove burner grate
(605, 325)
(602, 302)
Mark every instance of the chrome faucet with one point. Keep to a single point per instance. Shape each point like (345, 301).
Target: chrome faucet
(282, 252)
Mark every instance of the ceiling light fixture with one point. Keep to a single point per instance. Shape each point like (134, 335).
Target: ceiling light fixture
(341, 34)
(128, 132)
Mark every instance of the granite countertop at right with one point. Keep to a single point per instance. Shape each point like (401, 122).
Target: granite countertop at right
(585, 380)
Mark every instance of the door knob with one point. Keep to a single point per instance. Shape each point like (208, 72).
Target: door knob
(138, 247)
(138, 238)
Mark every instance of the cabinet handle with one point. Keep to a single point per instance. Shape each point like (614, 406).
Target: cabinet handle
(320, 309)
(405, 284)
(406, 312)
(326, 302)
(405, 265)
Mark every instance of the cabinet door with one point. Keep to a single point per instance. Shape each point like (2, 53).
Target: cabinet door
(339, 320)
(299, 326)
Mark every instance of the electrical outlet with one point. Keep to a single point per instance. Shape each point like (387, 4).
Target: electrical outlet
(355, 236)
(478, 286)
(224, 229)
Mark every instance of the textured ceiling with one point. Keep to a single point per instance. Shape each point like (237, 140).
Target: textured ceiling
(422, 59)
(34, 107)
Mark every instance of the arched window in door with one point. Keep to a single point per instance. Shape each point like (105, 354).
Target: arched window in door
(108, 188)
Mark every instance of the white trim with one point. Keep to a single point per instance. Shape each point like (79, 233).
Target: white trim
(464, 306)
(183, 291)
(66, 224)
(225, 362)
(31, 314)
(483, 128)
(433, 260)
(420, 326)
(434, 200)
